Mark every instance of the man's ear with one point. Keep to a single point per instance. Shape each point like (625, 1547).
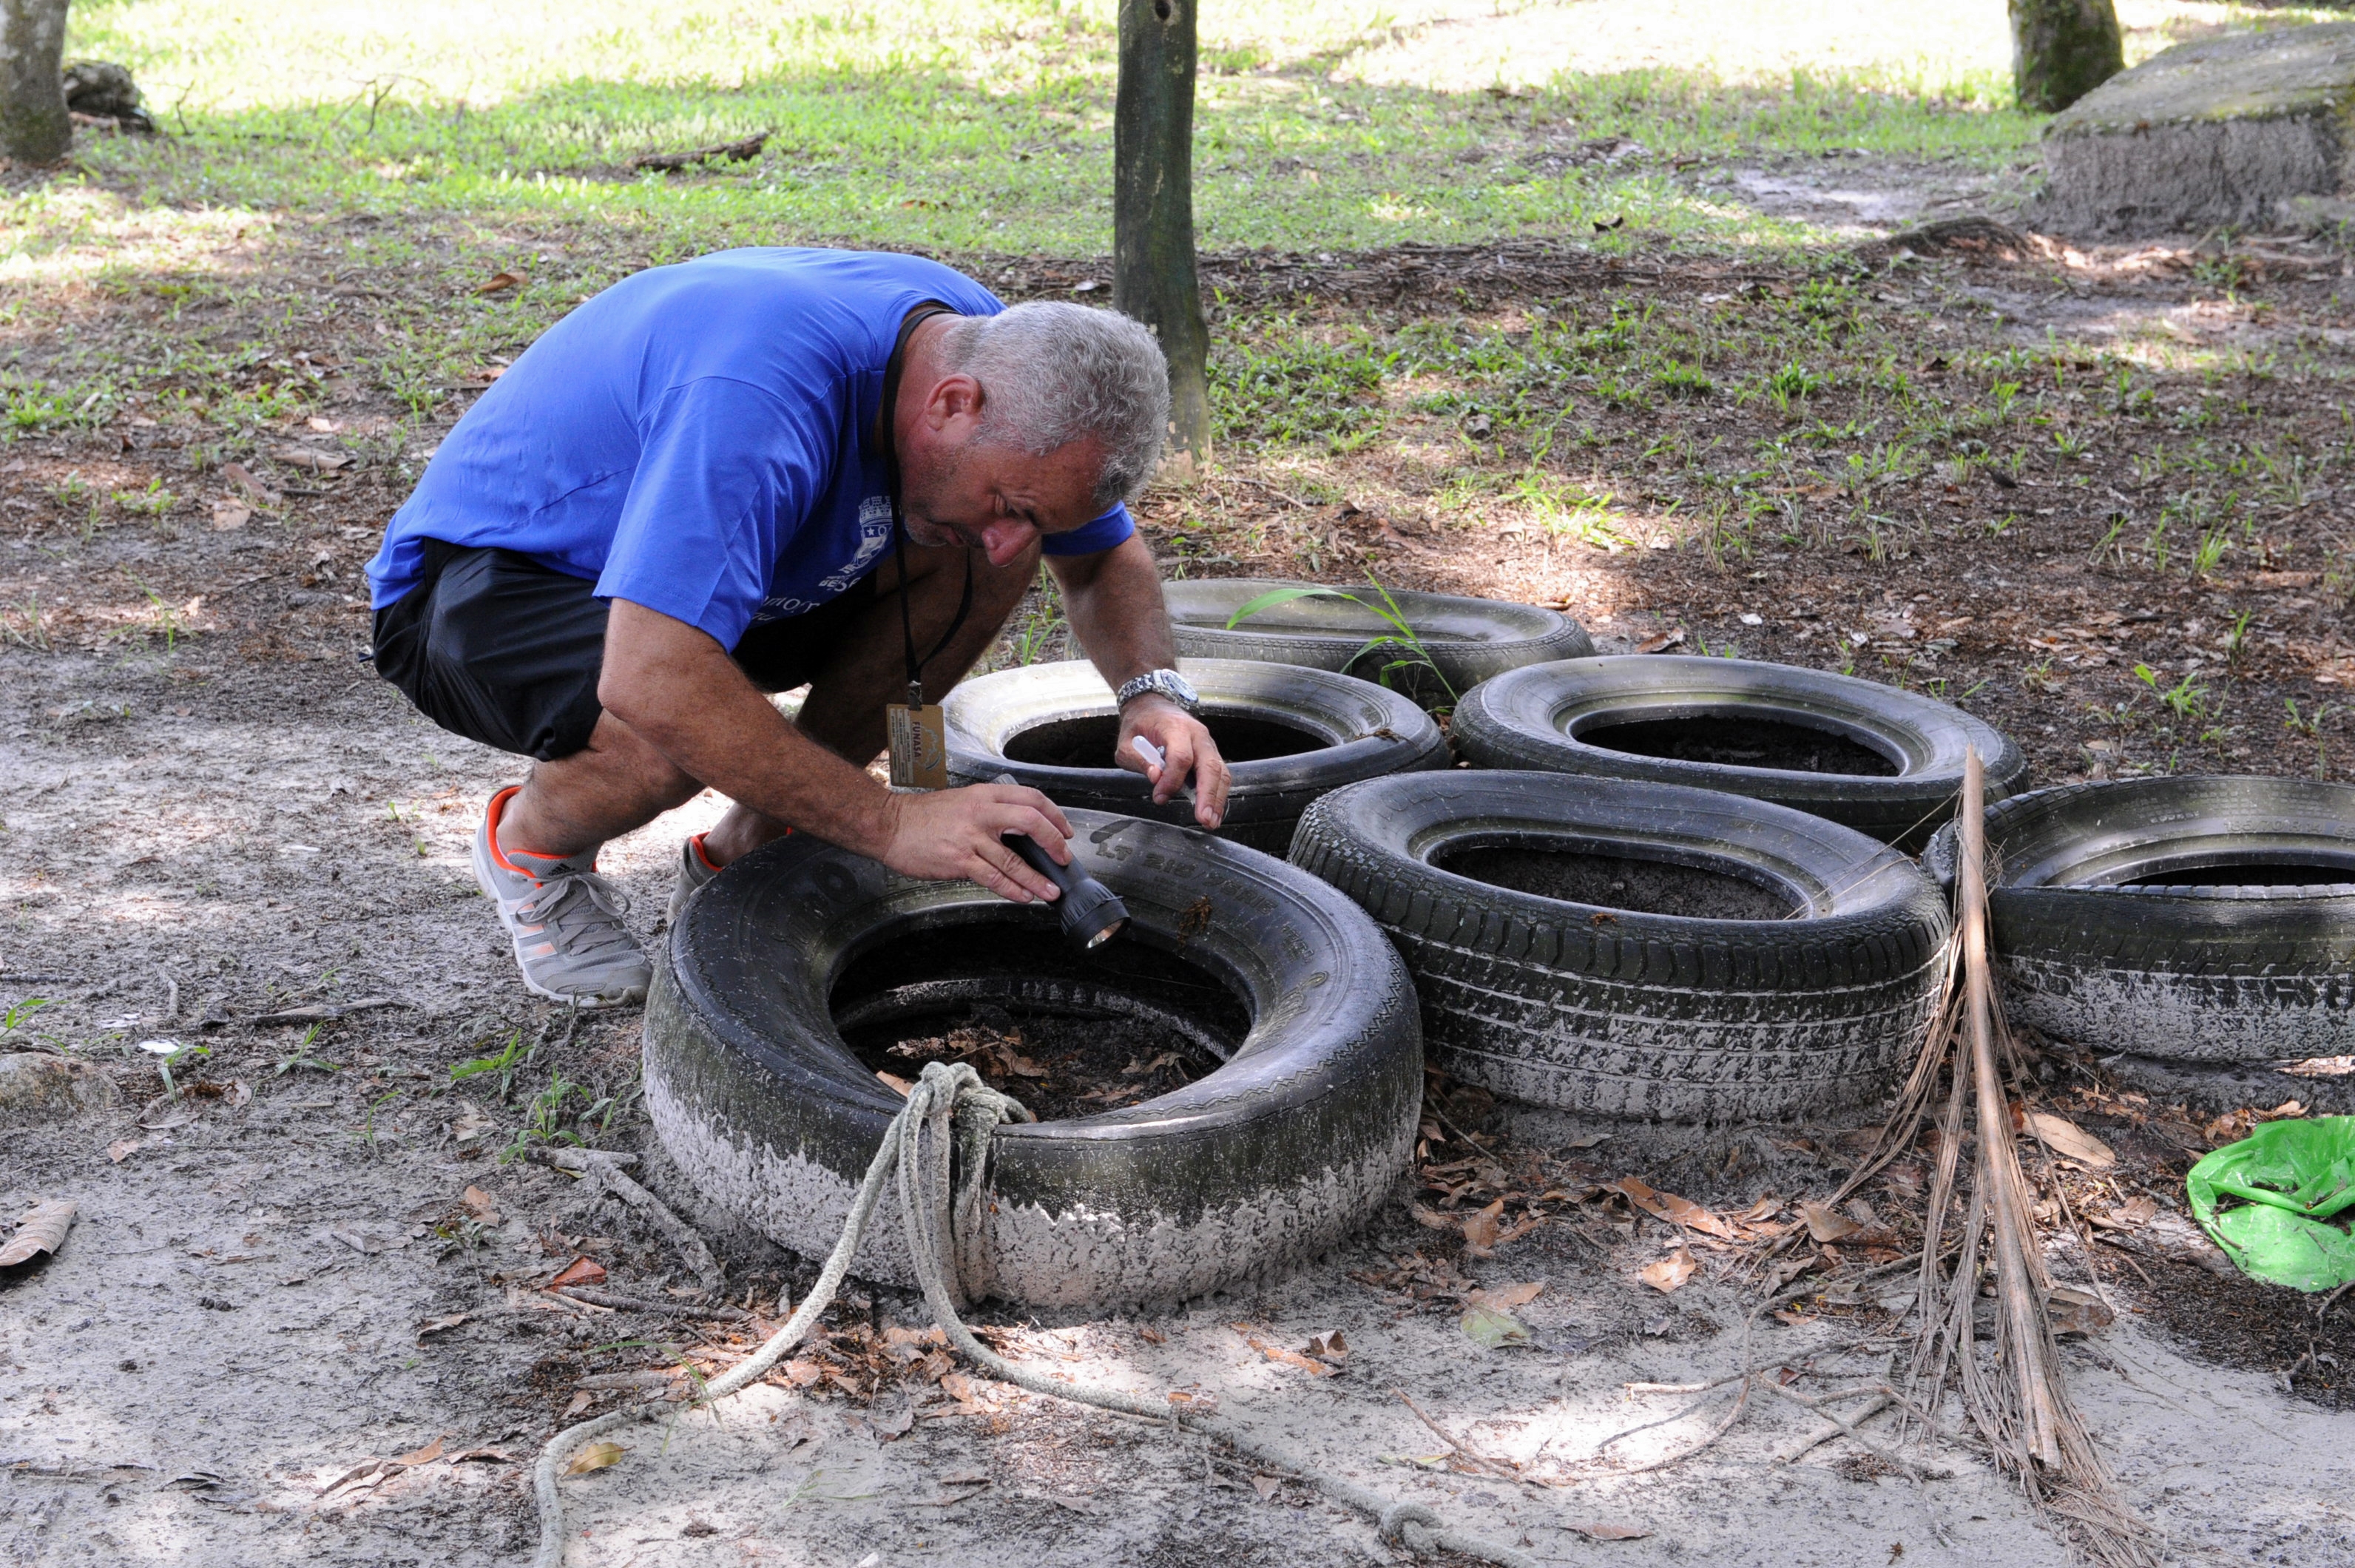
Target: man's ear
(954, 398)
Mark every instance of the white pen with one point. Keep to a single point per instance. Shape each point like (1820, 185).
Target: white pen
(1153, 759)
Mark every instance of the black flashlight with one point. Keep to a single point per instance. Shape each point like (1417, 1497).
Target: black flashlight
(1092, 914)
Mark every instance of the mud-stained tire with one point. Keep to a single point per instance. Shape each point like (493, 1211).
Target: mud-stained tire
(2215, 1087)
(1275, 1155)
(1344, 729)
(1620, 1012)
(1715, 711)
(1470, 640)
(2205, 920)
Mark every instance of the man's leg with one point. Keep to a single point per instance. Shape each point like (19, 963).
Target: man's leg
(614, 784)
(868, 669)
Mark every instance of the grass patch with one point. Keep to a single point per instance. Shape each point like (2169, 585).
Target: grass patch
(985, 128)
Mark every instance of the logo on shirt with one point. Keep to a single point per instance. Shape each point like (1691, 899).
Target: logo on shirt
(874, 533)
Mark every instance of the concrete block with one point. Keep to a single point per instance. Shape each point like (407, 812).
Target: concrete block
(2233, 130)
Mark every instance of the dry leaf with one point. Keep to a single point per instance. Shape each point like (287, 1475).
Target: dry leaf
(1481, 1231)
(1010, 1062)
(365, 1470)
(230, 516)
(1504, 1297)
(480, 1205)
(1266, 1486)
(42, 1229)
(1152, 1336)
(582, 1270)
(242, 478)
(2072, 1310)
(1663, 642)
(1610, 1532)
(893, 1423)
(1429, 1219)
(487, 1455)
(1826, 1223)
(121, 1149)
(442, 1325)
(416, 1456)
(1675, 1210)
(1290, 1358)
(307, 457)
(1669, 1273)
(498, 281)
(899, 1086)
(596, 1457)
(2070, 1141)
(369, 1241)
(1493, 1330)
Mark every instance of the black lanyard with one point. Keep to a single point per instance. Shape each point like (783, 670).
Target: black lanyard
(890, 422)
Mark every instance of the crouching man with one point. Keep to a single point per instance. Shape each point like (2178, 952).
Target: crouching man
(761, 469)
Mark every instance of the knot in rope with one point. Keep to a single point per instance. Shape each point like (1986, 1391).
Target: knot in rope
(945, 1160)
(1400, 1517)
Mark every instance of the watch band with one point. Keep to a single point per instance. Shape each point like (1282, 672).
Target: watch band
(1166, 683)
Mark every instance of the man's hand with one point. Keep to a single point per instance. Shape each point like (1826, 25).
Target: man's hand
(955, 833)
(1186, 747)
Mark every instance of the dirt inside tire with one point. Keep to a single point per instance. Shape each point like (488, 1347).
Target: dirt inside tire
(1742, 742)
(1142, 1023)
(1088, 741)
(1621, 882)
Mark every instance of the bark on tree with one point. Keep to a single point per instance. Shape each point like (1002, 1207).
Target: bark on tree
(1153, 272)
(2062, 49)
(33, 124)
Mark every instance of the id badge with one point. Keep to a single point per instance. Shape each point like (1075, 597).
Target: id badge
(920, 752)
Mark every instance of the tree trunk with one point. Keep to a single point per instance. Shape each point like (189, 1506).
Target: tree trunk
(1153, 276)
(33, 124)
(2062, 49)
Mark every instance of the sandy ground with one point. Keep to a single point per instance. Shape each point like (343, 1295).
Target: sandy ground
(255, 1300)
(212, 811)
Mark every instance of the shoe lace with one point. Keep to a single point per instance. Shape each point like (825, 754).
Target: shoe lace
(580, 910)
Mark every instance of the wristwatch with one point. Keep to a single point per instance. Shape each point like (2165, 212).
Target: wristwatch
(1166, 683)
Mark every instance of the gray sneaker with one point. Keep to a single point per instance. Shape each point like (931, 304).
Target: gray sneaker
(565, 920)
(693, 873)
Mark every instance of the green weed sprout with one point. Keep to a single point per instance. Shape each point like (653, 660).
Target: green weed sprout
(1414, 653)
(300, 1057)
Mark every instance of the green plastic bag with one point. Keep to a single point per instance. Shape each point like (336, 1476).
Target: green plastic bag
(2294, 1177)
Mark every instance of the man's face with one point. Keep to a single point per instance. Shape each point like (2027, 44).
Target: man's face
(997, 499)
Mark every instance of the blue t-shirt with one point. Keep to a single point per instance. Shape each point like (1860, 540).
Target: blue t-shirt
(697, 439)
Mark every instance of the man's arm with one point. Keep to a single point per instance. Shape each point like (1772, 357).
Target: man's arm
(679, 691)
(1114, 601)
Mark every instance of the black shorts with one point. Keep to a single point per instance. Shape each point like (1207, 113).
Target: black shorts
(494, 647)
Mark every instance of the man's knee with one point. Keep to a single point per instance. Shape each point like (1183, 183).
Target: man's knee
(632, 765)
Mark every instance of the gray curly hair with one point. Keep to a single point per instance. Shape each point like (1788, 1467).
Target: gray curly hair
(1052, 373)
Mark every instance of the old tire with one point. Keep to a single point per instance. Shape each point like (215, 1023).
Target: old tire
(1587, 1007)
(1298, 733)
(1470, 640)
(1275, 1155)
(2206, 920)
(1884, 762)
